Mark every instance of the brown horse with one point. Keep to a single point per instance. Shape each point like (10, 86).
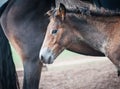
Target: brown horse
(70, 28)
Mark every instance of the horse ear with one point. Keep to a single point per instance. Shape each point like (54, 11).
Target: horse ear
(49, 13)
(62, 11)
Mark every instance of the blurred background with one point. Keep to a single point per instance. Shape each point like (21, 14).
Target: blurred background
(2, 1)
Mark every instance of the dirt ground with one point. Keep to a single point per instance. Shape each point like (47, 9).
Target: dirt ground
(95, 73)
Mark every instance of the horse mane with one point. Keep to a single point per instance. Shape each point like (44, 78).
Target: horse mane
(72, 3)
(87, 11)
(84, 8)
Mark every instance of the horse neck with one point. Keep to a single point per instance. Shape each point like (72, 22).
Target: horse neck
(98, 21)
(91, 30)
(92, 22)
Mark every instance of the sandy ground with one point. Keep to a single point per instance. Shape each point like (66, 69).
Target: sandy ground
(90, 73)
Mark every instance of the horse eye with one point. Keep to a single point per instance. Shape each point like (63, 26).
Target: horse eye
(54, 31)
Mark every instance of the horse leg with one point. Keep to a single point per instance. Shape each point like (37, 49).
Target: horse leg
(114, 56)
(117, 65)
(32, 72)
(118, 72)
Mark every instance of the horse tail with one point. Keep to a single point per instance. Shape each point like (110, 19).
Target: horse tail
(8, 75)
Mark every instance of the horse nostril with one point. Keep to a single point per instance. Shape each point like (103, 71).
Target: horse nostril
(49, 60)
(46, 59)
(42, 58)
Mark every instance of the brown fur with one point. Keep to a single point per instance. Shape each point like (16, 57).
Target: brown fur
(101, 33)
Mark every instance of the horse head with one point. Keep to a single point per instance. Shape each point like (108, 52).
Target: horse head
(56, 39)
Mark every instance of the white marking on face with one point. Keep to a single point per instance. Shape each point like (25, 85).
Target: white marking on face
(46, 56)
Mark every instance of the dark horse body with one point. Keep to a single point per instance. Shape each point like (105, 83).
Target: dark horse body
(24, 23)
(8, 75)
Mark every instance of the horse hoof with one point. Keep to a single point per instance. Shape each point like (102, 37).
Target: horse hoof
(118, 73)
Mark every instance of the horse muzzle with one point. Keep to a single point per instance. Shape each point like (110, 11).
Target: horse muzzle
(46, 56)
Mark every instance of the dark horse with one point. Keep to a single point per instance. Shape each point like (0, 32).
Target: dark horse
(68, 28)
(24, 23)
(8, 75)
